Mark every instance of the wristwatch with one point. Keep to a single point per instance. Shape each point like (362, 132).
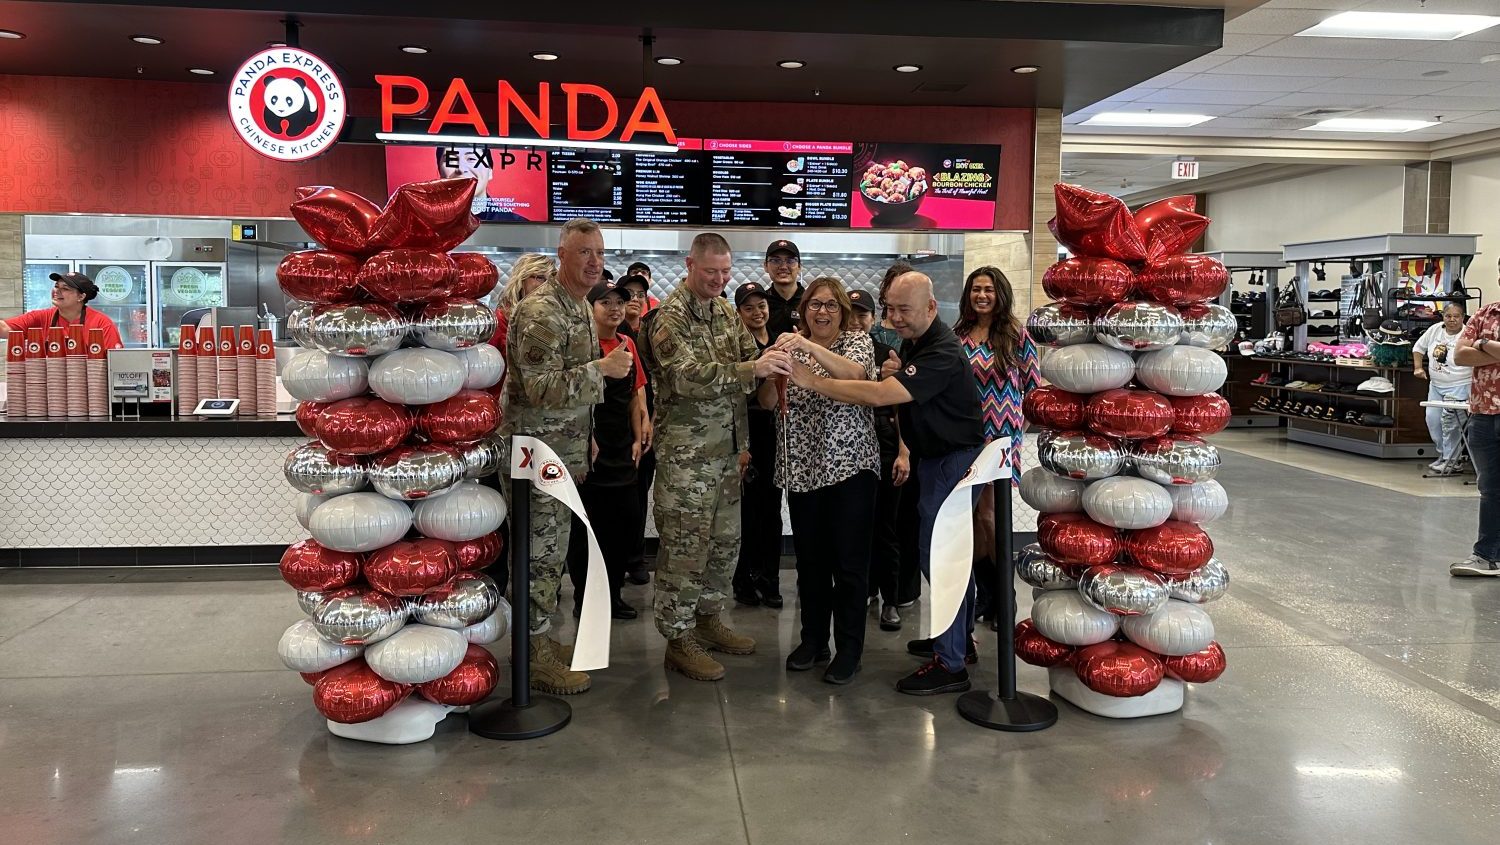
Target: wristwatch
(1479, 344)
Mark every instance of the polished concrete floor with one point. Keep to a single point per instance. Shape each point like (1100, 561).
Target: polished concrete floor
(1362, 705)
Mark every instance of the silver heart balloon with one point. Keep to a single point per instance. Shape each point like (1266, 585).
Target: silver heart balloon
(1207, 583)
(1175, 459)
(410, 473)
(1182, 371)
(1138, 326)
(1081, 456)
(351, 330)
(1123, 590)
(310, 469)
(309, 600)
(1042, 572)
(454, 324)
(484, 458)
(468, 600)
(1088, 368)
(1060, 324)
(358, 617)
(1208, 326)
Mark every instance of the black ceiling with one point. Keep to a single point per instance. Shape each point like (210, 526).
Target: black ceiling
(729, 49)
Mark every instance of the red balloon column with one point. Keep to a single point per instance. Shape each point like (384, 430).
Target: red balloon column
(396, 621)
(1123, 567)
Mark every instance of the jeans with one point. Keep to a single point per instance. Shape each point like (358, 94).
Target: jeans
(939, 477)
(831, 530)
(1445, 425)
(1484, 448)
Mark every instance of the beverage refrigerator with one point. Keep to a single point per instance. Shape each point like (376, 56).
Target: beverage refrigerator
(145, 299)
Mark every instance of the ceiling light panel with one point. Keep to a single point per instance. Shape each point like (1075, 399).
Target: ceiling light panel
(1149, 120)
(1369, 124)
(1403, 26)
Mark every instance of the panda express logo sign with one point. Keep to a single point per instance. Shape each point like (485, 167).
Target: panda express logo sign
(287, 104)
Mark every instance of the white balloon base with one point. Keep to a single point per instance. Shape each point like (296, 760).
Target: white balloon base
(413, 720)
(1166, 698)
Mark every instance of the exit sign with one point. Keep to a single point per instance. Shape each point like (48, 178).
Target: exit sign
(1184, 170)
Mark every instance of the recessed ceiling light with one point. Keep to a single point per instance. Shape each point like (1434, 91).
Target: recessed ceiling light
(414, 49)
(907, 68)
(1408, 26)
(1025, 69)
(670, 61)
(791, 64)
(543, 56)
(201, 71)
(11, 34)
(145, 39)
(1369, 124)
(1148, 119)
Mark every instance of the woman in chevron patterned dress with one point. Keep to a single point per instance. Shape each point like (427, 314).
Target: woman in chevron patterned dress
(1004, 362)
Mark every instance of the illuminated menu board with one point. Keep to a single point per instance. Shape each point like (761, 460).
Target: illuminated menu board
(670, 188)
(790, 184)
(588, 183)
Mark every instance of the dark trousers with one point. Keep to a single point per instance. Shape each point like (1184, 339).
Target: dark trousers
(1484, 449)
(908, 535)
(759, 565)
(645, 473)
(614, 512)
(831, 531)
(885, 546)
(939, 477)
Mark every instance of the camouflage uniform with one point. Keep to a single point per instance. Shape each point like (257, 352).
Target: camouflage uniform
(554, 382)
(702, 362)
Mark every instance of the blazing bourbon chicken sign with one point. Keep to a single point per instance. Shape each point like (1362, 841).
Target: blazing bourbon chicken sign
(287, 104)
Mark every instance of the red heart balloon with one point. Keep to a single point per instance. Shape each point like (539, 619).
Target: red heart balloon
(1123, 670)
(312, 678)
(1170, 226)
(472, 682)
(427, 215)
(1173, 548)
(307, 416)
(353, 693)
(1183, 279)
(1054, 408)
(476, 554)
(1073, 539)
(363, 425)
(338, 219)
(1132, 414)
(1095, 224)
(1088, 281)
(1200, 667)
(1036, 649)
(408, 275)
(412, 567)
(308, 565)
(1200, 415)
(317, 275)
(477, 275)
(464, 417)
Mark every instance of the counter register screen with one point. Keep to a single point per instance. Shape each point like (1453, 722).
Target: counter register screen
(719, 182)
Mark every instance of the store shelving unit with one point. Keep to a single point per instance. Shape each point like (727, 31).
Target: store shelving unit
(1255, 322)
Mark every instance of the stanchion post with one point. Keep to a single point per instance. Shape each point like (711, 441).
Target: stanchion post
(522, 716)
(1007, 709)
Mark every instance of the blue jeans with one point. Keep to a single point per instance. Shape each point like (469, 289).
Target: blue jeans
(1444, 425)
(1484, 448)
(936, 479)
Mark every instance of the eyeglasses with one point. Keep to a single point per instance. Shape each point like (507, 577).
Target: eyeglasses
(783, 262)
(829, 305)
(634, 294)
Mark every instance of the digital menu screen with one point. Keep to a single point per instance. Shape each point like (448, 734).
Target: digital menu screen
(589, 183)
(670, 188)
(924, 186)
(790, 184)
(512, 181)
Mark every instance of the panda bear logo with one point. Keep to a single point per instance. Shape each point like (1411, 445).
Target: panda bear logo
(290, 108)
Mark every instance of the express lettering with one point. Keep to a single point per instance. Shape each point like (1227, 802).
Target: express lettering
(485, 157)
(407, 96)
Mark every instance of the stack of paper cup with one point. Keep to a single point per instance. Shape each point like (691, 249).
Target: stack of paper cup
(97, 366)
(207, 359)
(265, 374)
(76, 366)
(56, 369)
(187, 370)
(229, 368)
(36, 372)
(15, 374)
(245, 364)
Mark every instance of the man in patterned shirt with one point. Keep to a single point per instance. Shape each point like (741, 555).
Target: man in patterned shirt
(1479, 347)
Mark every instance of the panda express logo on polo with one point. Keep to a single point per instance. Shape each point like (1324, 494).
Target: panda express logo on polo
(287, 104)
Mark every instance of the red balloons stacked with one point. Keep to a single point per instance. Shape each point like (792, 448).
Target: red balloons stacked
(412, 567)
(1054, 408)
(1123, 670)
(1172, 549)
(308, 565)
(472, 682)
(474, 555)
(1088, 281)
(1183, 279)
(1075, 540)
(1036, 649)
(1131, 414)
(353, 693)
(363, 425)
(1200, 415)
(464, 418)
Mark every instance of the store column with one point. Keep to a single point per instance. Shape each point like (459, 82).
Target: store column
(11, 233)
(1046, 170)
(1427, 193)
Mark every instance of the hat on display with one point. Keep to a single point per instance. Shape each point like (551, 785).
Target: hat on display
(1247, 347)
(79, 282)
(747, 290)
(783, 246)
(1379, 385)
(599, 291)
(1391, 331)
(862, 300)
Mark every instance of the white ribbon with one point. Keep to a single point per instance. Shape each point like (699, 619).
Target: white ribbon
(535, 461)
(952, 558)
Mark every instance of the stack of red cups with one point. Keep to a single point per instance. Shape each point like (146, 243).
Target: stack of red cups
(97, 367)
(187, 370)
(15, 374)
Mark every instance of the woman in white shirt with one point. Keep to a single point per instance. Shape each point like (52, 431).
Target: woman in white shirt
(1432, 359)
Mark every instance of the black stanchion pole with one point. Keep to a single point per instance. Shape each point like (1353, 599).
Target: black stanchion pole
(521, 716)
(1007, 709)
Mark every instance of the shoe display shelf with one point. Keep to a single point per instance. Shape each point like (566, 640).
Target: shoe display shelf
(1251, 297)
(1406, 438)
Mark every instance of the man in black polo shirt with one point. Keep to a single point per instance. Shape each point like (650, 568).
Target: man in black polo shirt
(784, 267)
(942, 425)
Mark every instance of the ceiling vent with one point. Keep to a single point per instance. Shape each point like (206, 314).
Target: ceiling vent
(941, 87)
(1318, 114)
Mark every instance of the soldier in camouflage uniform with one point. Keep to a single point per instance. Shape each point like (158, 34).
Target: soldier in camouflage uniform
(556, 377)
(703, 362)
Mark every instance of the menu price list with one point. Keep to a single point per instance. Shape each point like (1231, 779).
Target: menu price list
(780, 189)
(670, 188)
(587, 183)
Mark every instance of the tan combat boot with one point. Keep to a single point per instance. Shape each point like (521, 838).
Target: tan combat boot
(686, 655)
(548, 671)
(716, 636)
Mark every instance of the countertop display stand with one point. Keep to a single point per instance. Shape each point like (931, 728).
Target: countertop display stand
(1254, 323)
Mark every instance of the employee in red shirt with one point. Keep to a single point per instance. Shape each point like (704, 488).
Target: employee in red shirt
(71, 293)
